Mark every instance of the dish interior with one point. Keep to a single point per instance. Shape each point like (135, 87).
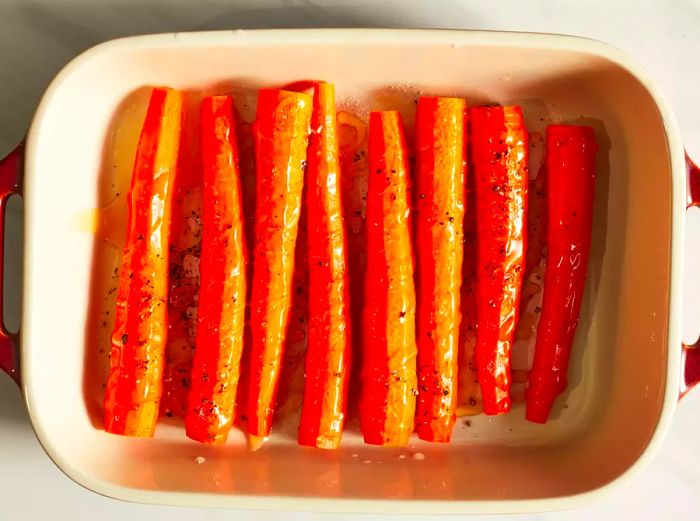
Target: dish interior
(617, 379)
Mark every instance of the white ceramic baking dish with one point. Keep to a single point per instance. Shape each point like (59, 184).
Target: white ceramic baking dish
(627, 372)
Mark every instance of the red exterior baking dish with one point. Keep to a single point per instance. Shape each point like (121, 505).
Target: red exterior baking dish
(628, 368)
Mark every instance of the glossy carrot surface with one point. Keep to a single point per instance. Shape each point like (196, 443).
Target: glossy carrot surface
(328, 338)
(440, 206)
(134, 384)
(570, 177)
(222, 295)
(389, 345)
(282, 133)
(499, 148)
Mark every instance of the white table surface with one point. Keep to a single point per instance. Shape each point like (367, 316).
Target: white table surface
(37, 37)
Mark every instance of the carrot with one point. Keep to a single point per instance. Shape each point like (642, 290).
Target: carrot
(328, 352)
(571, 172)
(222, 294)
(282, 133)
(499, 153)
(440, 206)
(134, 384)
(388, 398)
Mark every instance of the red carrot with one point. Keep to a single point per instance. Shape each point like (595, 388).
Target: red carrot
(282, 133)
(389, 353)
(134, 385)
(499, 153)
(440, 206)
(222, 295)
(328, 351)
(570, 162)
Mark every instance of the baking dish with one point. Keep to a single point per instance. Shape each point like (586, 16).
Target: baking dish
(628, 369)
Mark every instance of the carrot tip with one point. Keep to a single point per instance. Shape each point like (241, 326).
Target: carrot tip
(538, 411)
(256, 442)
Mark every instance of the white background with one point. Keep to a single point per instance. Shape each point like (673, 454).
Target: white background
(37, 37)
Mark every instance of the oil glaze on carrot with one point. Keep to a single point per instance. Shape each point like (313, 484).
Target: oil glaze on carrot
(389, 390)
(571, 172)
(329, 348)
(282, 133)
(134, 384)
(222, 295)
(440, 205)
(499, 148)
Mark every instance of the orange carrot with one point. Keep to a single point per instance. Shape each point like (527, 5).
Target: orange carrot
(440, 163)
(222, 295)
(282, 133)
(499, 153)
(388, 398)
(328, 352)
(134, 384)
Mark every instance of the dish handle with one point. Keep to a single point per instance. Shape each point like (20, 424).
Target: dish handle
(691, 353)
(11, 170)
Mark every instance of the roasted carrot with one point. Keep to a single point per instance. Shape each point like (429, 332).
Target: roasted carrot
(389, 389)
(134, 384)
(328, 337)
(570, 177)
(222, 294)
(440, 206)
(282, 134)
(499, 153)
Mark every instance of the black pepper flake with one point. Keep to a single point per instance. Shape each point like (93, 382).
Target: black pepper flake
(402, 314)
(125, 339)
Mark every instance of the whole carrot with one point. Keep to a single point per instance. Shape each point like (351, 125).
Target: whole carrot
(222, 294)
(469, 401)
(328, 351)
(570, 165)
(499, 153)
(441, 166)
(282, 134)
(134, 384)
(388, 391)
